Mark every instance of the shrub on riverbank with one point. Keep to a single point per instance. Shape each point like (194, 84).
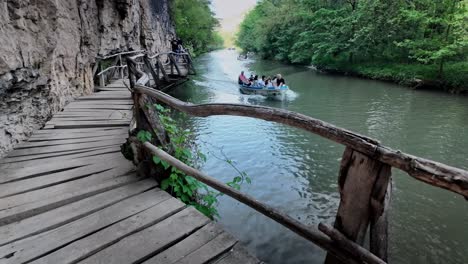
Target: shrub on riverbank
(454, 80)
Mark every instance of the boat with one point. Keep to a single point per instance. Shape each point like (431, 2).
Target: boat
(263, 90)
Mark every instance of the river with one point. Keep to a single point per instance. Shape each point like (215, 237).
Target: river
(296, 171)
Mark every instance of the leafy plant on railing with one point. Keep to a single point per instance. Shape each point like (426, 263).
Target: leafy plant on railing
(186, 188)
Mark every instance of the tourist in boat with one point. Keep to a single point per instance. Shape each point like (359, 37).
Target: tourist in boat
(242, 79)
(269, 83)
(261, 82)
(280, 80)
(255, 80)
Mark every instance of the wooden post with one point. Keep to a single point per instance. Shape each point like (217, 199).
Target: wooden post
(171, 63)
(121, 70)
(174, 62)
(363, 185)
(153, 72)
(102, 83)
(163, 71)
(380, 203)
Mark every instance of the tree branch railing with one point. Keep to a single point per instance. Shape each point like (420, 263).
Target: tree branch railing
(343, 248)
(431, 172)
(364, 178)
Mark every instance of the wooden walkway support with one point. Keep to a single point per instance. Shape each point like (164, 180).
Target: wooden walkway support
(68, 195)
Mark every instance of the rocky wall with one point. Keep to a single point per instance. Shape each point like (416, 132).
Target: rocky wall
(48, 49)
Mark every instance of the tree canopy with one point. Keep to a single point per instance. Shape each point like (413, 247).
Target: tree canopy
(339, 33)
(196, 24)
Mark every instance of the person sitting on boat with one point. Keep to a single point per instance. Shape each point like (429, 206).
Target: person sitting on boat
(255, 80)
(243, 79)
(269, 83)
(261, 82)
(279, 80)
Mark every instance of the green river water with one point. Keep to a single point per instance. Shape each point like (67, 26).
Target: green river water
(296, 171)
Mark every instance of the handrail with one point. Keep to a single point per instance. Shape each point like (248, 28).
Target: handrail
(111, 67)
(166, 53)
(359, 254)
(120, 53)
(428, 171)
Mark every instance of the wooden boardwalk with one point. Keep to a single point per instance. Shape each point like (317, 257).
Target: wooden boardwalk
(67, 195)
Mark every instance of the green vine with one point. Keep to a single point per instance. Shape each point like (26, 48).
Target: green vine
(184, 187)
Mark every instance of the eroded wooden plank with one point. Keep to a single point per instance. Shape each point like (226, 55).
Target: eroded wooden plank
(23, 161)
(15, 174)
(188, 245)
(32, 248)
(238, 254)
(85, 124)
(63, 215)
(211, 250)
(65, 147)
(56, 196)
(43, 143)
(44, 181)
(85, 247)
(142, 245)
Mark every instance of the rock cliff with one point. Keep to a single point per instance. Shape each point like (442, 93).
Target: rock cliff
(48, 49)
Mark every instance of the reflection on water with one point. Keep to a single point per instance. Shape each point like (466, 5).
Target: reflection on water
(297, 171)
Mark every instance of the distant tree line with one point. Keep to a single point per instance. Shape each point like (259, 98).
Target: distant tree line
(398, 39)
(196, 25)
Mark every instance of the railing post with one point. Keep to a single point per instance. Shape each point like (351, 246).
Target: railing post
(102, 82)
(363, 184)
(121, 67)
(171, 62)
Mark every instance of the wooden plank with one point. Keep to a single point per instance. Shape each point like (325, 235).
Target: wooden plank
(35, 195)
(59, 119)
(43, 181)
(65, 147)
(61, 158)
(238, 254)
(85, 124)
(92, 106)
(57, 196)
(142, 245)
(129, 210)
(85, 247)
(188, 245)
(77, 130)
(111, 89)
(9, 175)
(67, 136)
(64, 154)
(43, 143)
(114, 95)
(65, 214)
(210, 251)
(103, 102)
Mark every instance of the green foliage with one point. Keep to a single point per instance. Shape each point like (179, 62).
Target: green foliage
(340, 34)
(195, 24)
(144, 136)
(186, 188)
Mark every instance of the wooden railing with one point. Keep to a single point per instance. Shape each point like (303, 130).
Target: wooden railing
(165, 66)
(364, 177)
(112, 66)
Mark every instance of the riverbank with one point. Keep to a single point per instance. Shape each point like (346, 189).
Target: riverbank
(415, 76)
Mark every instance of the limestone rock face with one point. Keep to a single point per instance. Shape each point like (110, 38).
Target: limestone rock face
(48, 49)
